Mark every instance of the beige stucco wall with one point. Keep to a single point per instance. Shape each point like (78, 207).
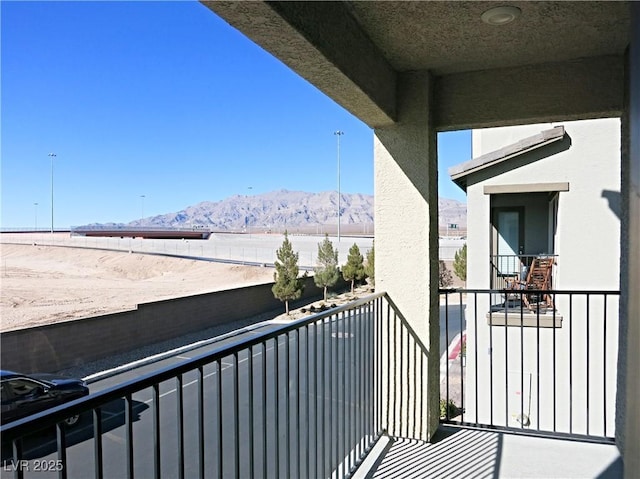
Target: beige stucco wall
(628, 414)
(406, 221)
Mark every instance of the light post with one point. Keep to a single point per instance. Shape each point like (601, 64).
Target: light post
(52, 156)
(338, 134)
(142, 197)
(248, 225)
(35, 228)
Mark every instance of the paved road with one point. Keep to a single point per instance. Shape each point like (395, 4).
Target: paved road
(454, 316)
(300, 416)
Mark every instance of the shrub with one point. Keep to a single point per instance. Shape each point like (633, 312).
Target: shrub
(354, 269)
(326, 272)
(445, 279)
(448, 409)
(460, 263)
(370, 266)
(287, 285)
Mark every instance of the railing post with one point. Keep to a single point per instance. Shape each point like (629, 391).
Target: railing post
(321, 398)
(252, 427)
(180, 424)
(97, 442)
(155, 414)
(220, 438)
(264, 408)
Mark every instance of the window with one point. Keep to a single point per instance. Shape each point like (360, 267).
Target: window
(23, 387)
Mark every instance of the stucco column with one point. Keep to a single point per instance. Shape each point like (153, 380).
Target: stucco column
(406, 215)
(628, 406)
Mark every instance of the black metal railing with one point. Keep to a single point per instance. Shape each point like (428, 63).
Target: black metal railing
(506, 268)
(538, 369)
(308, 399)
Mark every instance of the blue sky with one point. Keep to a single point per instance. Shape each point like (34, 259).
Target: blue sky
(165, 100)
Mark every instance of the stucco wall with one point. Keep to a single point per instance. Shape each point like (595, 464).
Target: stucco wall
(407, 225)
(628, 417)
(61, 345)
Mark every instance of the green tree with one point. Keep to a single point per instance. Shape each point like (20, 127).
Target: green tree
(370, 266)
(287, 285)
(460, 263)
(327, 272)
(354, 269)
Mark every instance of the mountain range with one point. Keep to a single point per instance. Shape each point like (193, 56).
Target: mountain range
(283, 209)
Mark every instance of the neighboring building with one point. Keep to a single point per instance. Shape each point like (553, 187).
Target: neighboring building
(552, 192)
(555, 191)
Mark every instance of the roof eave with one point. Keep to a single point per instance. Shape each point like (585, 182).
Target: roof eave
(460, 172)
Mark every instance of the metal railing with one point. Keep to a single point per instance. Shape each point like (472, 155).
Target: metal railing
(543, 370)
(505, 268)
(308, 399)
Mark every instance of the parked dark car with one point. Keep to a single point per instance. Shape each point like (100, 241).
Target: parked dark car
(23, 395)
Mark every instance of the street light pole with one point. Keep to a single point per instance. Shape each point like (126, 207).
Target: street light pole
(338, 134)
(52, 156)
(35, 228)
(248, 225)
(142, 197)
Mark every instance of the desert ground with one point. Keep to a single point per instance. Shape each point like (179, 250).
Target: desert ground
(45, 278)
(45, 284)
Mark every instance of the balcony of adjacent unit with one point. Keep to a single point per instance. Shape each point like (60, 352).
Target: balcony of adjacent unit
(523, 287)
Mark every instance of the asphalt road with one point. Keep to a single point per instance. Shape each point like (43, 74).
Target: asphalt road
(254, 425)
(456, 320)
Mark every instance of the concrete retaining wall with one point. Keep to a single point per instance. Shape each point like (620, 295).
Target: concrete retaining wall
(70, 343)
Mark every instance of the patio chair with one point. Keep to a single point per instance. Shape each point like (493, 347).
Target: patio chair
(538, 278)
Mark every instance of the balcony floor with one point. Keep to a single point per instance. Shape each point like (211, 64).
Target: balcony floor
(471, 453)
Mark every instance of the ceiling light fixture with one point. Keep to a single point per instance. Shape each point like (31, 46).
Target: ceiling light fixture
(500, 15)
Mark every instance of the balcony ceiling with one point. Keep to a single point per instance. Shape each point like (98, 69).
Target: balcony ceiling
(450, 37)
(564, 59)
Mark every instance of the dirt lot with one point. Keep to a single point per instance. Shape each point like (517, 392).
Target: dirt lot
(41, 284)
(44, 284)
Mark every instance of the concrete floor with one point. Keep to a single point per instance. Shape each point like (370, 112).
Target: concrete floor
(470, 453)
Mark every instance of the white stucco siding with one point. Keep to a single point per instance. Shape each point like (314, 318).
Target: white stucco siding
(555, 388)
(478, 238)
(491, 139)
(588, 239)
(588, 224)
